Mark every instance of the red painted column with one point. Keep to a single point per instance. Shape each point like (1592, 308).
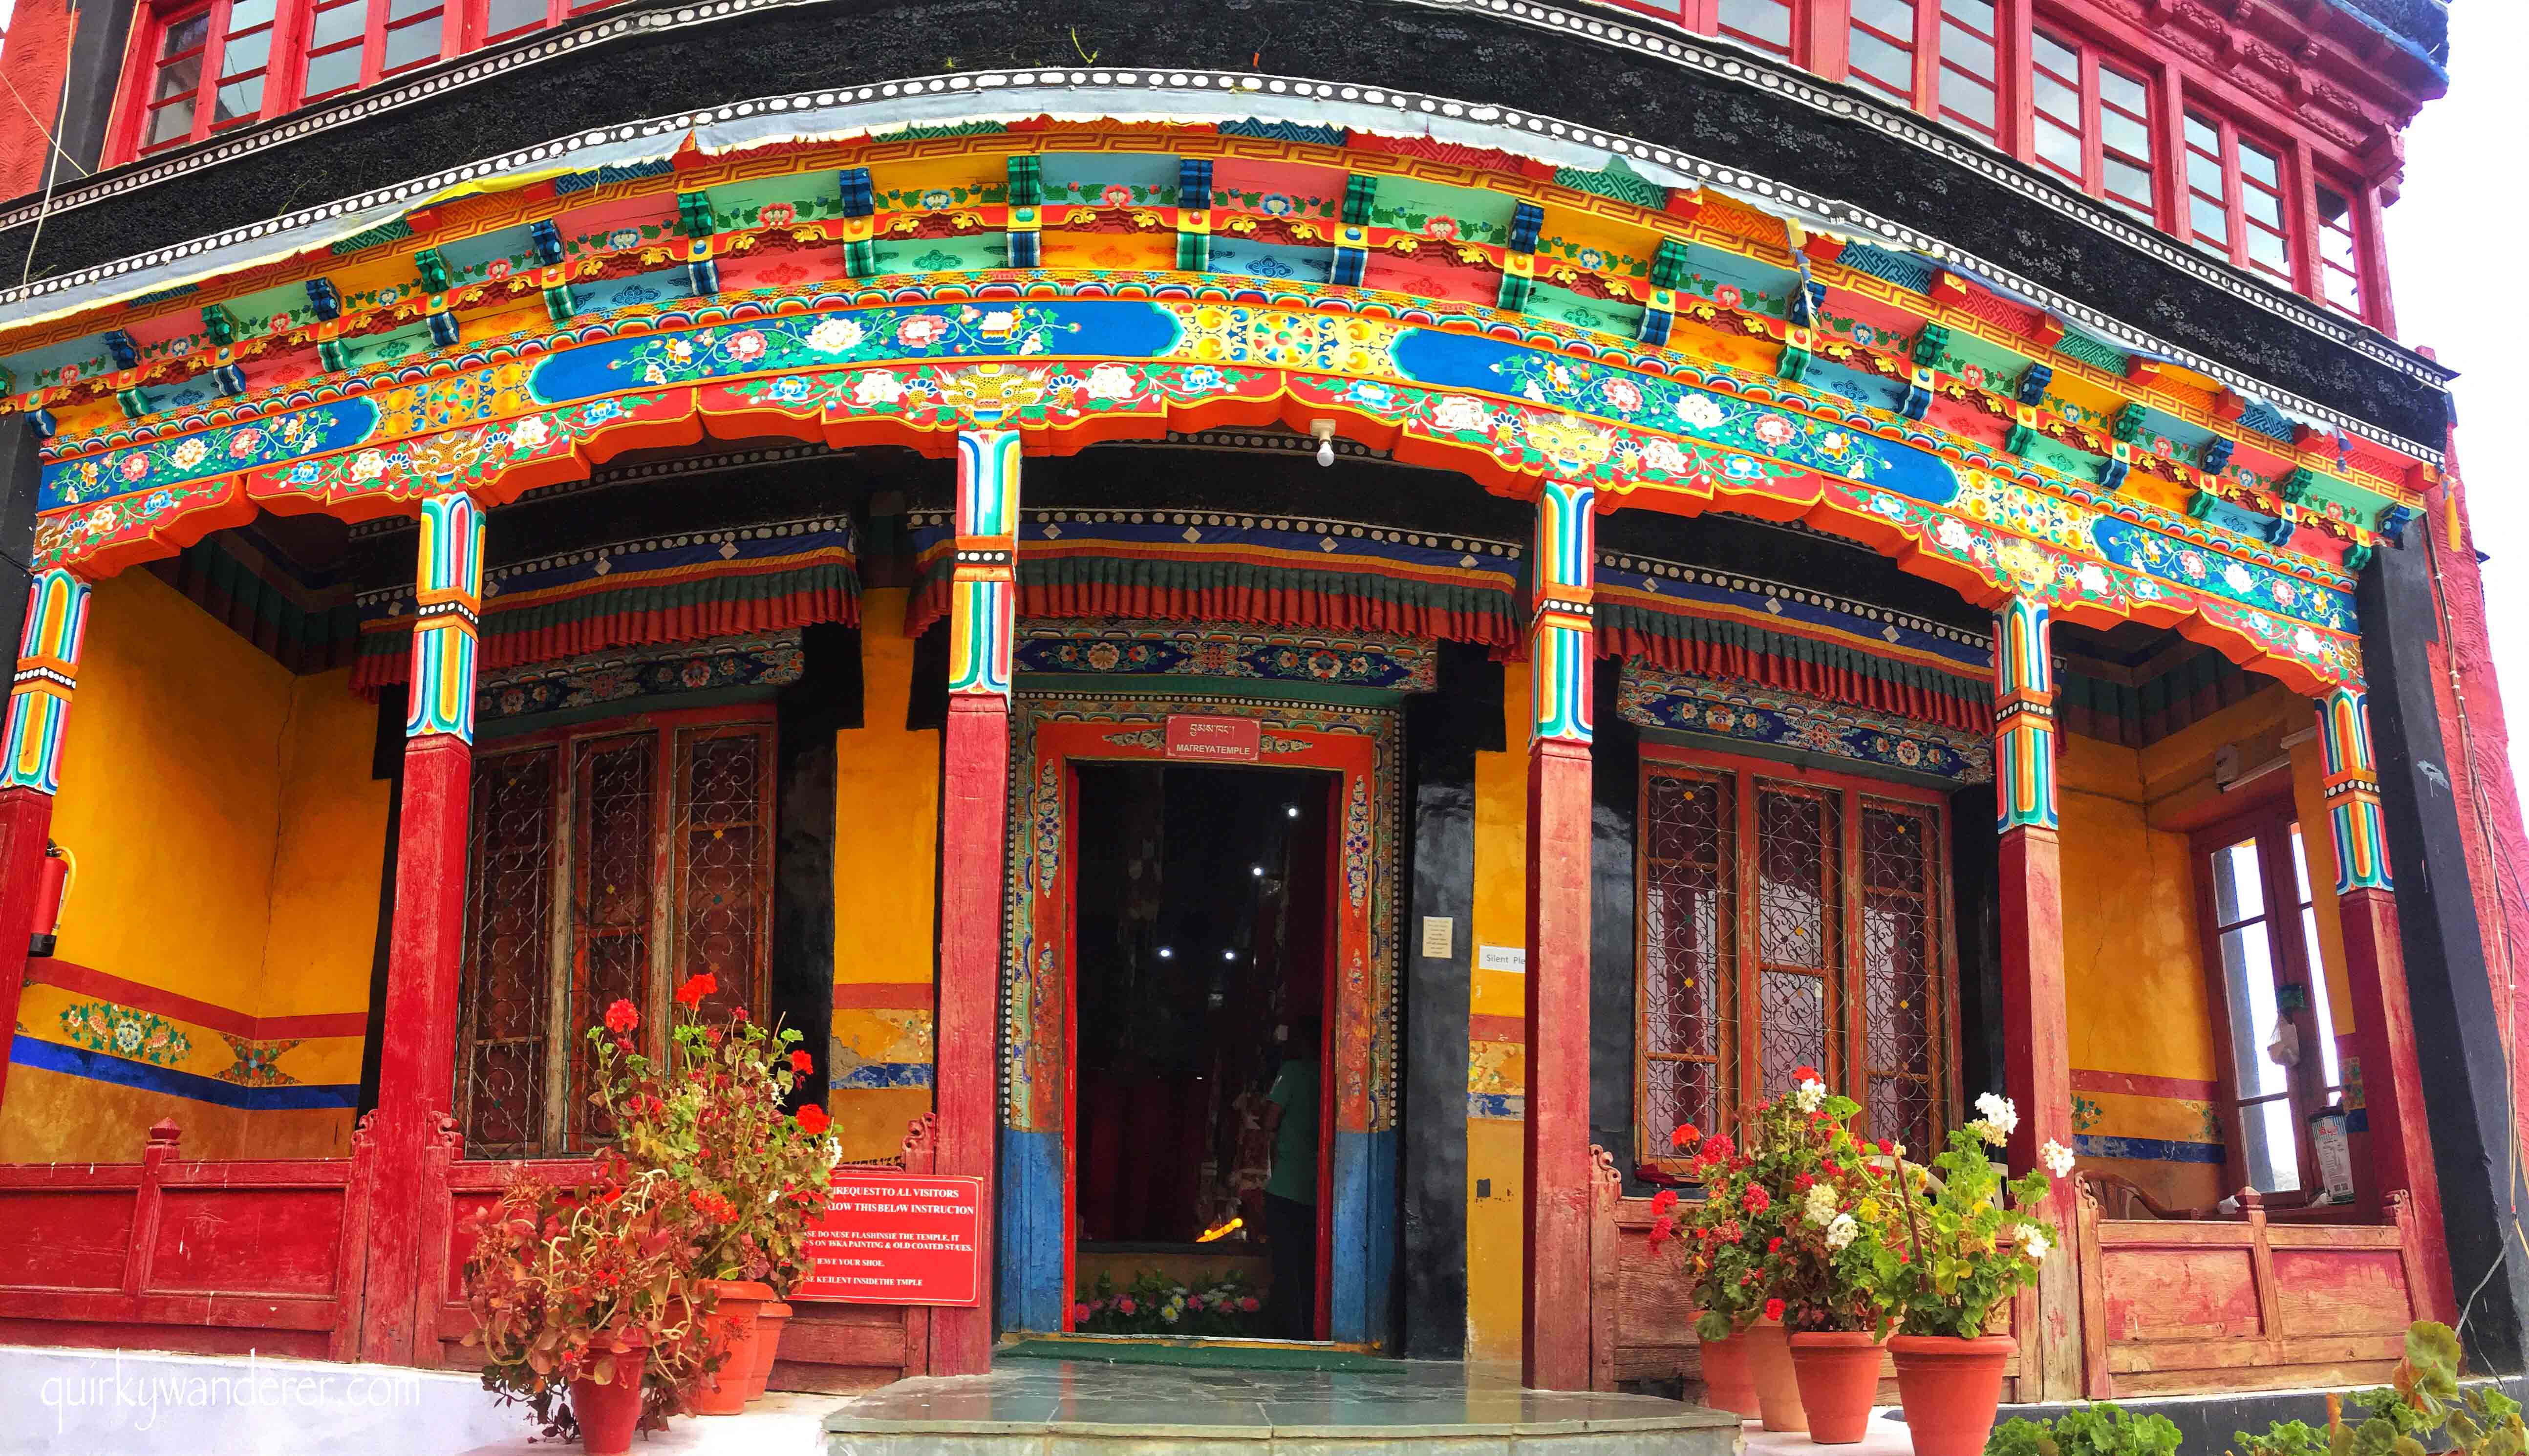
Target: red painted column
(1554, 1314)
(30, 764)
(416, 1066)
(2037, 1068)
(974, 829)
(2375, 971)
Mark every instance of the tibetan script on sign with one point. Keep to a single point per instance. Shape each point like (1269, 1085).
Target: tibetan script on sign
(1221, 740)
(893, 1238)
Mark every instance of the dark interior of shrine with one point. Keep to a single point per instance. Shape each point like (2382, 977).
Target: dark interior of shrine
(1203, 937)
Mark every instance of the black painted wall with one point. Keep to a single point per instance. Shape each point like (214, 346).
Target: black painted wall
(1615, 791)
(1443, 733)
(1975, 897)
(2458, 1026)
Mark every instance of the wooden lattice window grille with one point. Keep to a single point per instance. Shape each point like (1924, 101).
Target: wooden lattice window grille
(1789, 918)
(665, 871)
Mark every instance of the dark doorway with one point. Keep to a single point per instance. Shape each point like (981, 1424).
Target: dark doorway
(1204, 930)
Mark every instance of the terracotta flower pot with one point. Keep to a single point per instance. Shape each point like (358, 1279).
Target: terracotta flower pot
(733, 1334)
(608, 1414)
(1838, 1377)
(1769, 1364)
(1951, 1388)
(1727, 1384)
(769, 1321)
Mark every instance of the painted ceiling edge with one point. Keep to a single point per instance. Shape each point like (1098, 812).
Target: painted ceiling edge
(774, 121)
(1718, 58)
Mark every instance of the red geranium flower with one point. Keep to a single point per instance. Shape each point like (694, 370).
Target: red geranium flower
(696, 988)
(1773, 1308)
(1888, 1146)
(1774, 1245)
(1660, 1228)
(799, 1061)
(622, 1016)
(813, 1119)
(1125, 1305)
(1686, 1136)
(1806, 1074)
(1664, 1200)
(1756, 1199)
(1079, 1314)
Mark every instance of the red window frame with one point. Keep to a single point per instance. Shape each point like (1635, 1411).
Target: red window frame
(2224, 186)
(298, 38)
(2342, 244)
(2079, 100)
(1849, 1055)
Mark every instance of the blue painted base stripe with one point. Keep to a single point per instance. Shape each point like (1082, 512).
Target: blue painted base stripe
(52, 1057)
(878, 1076)
(1381, 1260)
(1348, 1261)
(2148, 1150)
(1031, 1235)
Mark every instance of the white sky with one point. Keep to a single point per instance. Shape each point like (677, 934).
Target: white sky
(2454, 256)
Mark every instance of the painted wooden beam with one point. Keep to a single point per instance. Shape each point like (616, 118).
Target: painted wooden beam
(51, 631)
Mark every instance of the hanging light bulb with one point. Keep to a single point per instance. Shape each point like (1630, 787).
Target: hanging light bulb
(1324, 431)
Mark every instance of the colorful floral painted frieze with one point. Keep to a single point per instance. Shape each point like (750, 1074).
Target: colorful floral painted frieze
(121, 1031)
(1391, 664)
(1747, 713)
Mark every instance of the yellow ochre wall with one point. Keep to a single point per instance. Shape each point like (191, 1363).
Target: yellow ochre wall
(1498, 1064)
(887, 838)
(2139, 1002)
(229, 841)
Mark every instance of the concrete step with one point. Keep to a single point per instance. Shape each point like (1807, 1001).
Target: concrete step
(1074, 1408)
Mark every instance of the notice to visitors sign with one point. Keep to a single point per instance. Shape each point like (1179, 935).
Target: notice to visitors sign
(892, 1238)
(1221, 740)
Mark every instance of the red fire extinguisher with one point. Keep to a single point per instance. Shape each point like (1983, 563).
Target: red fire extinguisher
(52, 893)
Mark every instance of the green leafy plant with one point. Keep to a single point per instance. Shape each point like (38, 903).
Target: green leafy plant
(2422, 1399)
(710, 1114)
(1969, 1238)
(555, 1278)
(2102, 1430)
(2281, 1439)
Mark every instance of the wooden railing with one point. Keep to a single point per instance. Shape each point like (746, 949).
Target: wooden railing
(165, 1254)
(223, 1258)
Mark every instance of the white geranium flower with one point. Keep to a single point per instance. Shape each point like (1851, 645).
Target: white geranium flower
(2033, 1241)
(1820, 1207)
(1999, 1112)
(1844, 1231)
(2057, 1158)
(1810, 1096)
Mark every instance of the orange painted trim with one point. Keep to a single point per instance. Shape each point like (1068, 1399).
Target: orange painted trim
(84, 980)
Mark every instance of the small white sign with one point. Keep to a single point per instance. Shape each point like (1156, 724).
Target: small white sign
(1512, 958)
(1439, 937)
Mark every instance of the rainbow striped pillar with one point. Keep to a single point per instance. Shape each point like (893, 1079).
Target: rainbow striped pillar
(448, 599)
(2024, 717)
(39, 698)
(1562, 637)
(2353, 788)
(982, 591)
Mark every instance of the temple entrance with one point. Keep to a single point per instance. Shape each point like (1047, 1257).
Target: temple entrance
(1204, 955)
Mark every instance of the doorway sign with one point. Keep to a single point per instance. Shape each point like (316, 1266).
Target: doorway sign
(893, 1238)
(1220, 740)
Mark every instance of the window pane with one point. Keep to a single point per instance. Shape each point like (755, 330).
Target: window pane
(335, 24)
(1797, 843)
(412, 44)
(2128, 185)
(725, 831)
(2258, 165)
(2273, 1153)
(1767, 21)
(245, 53)
(2319, 1000)
(1687, 925)
(245, 14)
(238, 100)
(187, 34)
(2060, 149)
(2054, 55)
(506, 15)
(616, 780)
(2204, 174)
(2238, 890)
(171, 120)
(2248, 970)
(1891, 18)
(404, 10)
(2266, 250)
(2123, 91)
(2212, 223)
(333, 71)
(2203, 134)
(2130, 134)
(180, 77)
(1968, 99)
(2058, 102)
(1897, 972)
(1883, 65)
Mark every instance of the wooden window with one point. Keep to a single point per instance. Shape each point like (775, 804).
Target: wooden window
(2236, 191)
(1969, 66)
(2274, 1031)
(1789, 918)
(604, 862)
(198, 68)
(2093, 120)
(2339, 251)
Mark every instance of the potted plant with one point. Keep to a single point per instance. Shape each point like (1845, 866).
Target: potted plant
(580, 1303)
(1722, 1239)
(1974, 1240)
(712, 1115)
(1832, 1263)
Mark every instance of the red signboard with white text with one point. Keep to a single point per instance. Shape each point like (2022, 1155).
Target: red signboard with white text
(891, 1238)
(1220, 740)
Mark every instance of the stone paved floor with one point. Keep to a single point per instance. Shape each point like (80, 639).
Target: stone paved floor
(1057, 1408)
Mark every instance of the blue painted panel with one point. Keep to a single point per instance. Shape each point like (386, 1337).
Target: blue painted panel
(1380, 1262)
(97, 1066)
(1646, 401)
(1030, 1237)
(1348, 1254)
(2146, 1150)
(219, 450)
